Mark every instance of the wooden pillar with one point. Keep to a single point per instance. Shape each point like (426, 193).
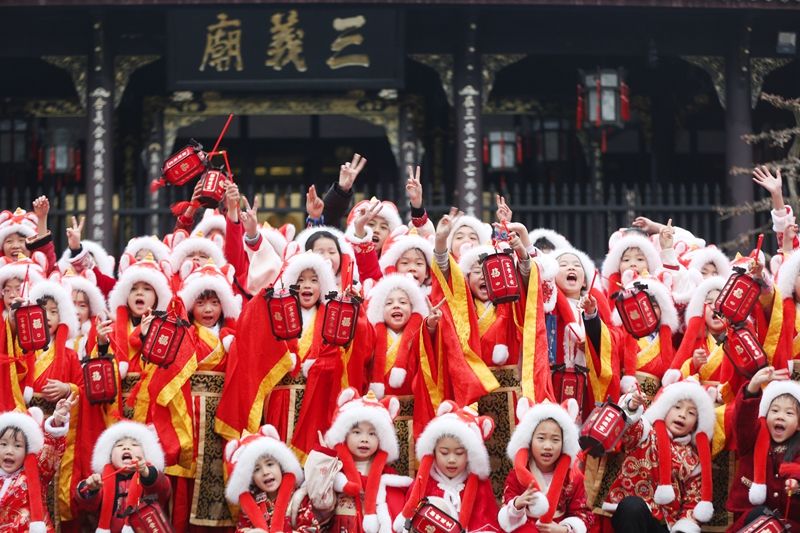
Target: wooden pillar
(468, 85)
(738, 122)
(100, 130)
(154, 154)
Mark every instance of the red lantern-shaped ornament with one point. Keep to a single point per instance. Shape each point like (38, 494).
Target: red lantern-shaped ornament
(569, 383)
(212, 188)
(100, 379)
(430, 519)
(744, 351)
(149, 518)
(283, 307)
(32, 331)
(184, 166)
(766, 523)
(500, 276)
(341, 315)
(164, 338)
(636, 310)
(603, 429)
(738, 296)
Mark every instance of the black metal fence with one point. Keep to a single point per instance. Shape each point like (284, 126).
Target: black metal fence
(568, 208)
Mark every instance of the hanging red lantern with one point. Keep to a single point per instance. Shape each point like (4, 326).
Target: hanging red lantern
(212, 188)
(430, 519)
(149, 518)
(283, 308)
(624, 102)
(164, 338)
(603, 429)
(579, 111)
(341, 316)
(40, 164)
(78, 166)
(744, 351)
(182, 167)
(635, 308)
(738, 296)
(100, 379)
(486, 150)
(569, 383)
(32, 331)
(519, 150)
(766, 523)
(500, 276)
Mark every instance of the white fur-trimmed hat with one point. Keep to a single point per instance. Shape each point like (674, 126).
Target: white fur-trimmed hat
(86, 284)
(303, 236)
(684, 390)
(242, 454)
(710, 254)
(530, 415)
(630, 240)
(104, 261)
(20, 221)
(388, 212)
(66, 308)
(697, 302)
(150, 243)
(380, 292)
(588, 265)
(309, 260)
(394, 247)
(194, 244)
(212, 220)
(19, 269)
(211, 278)
(465, 425)
(472, 255)
(483, 230)
(552, 236)
(787, 275)
(145, 271)
(29, 423)
(144, 435)
(353, 409)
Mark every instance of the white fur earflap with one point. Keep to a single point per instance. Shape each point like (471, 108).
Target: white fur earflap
(627, 384)
(775, 389)
(703, 511)
(397, 376)
(529, 418)
(212, 220)
(684, 390)
(210, 278)
(664, 495)
(150, 243)
(28, 424)
(757, 493)
(380, 292)
(144, 435)
(697, 303)
(144, 271)
(196, 244)
(588, 265)
(787, 275)
(400, 245)
(630, 240)
(685, 525)
(499, 354)
(553, 237)
(473, 255)
(310, 261)
(354, 409)
(710, 254)
(104, 261)
(540, 506)
(97, 302)
(483, 230)
(67, 314)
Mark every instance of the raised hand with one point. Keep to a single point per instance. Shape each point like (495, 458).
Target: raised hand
(314, 204)
(104, 329)
(249, 217)
(636, 400)
(764, 376)
(94, 482)
(74, 233)
(699, 358)
(434, 315)
(666, 236)
(364, 215)
(349, 172)
(414, 188)
(588, 304)
(444, 227)
(63, 408)
(526, 498)
(41, 207)
(147, 319)
(54, 389)
(232, 199)
(646, 225)
(503, 212)
(766, 180)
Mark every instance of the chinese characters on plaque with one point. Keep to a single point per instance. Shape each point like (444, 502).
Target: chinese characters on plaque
(299, 48)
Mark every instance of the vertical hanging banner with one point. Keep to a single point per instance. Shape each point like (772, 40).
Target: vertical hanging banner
(468, 84)
(285, 48)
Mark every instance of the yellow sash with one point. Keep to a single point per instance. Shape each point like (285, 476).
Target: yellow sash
(647, 351)
(217, 353)
(391, 351)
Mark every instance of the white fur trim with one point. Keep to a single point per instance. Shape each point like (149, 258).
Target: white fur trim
(37, 527)
(350, 235)
(685, 525)
(775, 389)
(306, 366)
(757, 493)
(27, 394)
(588, 265)
(97, 302)
(578, 525)
(703, 511)
(56, 431)
(673, 375)
(102, 530)
(339, 482)
(228, 340)
(399, 525)
(397, 376)
(379, 389)
(27, 230)
(548, 266)
(627, 384)
(17, 270)
(396, 481)
(212, 220)
(555, 238)
(380, 292)
(304, 235)
(355, 411)
(102, 259)
(123, 369)
(483, 230)
(664, 494)
(197, 282)
(468, 259)
(151, 243)
(309, 260)
(127, 529)
(610, 507)
(245, 459)
(499, 354)
(630, 240)
(540, 506)
(684, 390)
(510, 518)
(145, 435)
(696, 305)
(710, 254)
(134, 274)
(390, 256)
(388, 212)
(371, 523)
(787, 275)
(532, 416)
(469, 434)
(28, 425)
(196, 244)
(67, 314)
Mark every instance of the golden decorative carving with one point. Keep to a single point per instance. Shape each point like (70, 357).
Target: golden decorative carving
(124, 66)
(78, 67)
(491, 64)
(54, 108)
(443, 65)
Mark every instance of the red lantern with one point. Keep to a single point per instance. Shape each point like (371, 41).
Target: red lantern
(164, 338)
(500, 276)
(636, 310)
(603, 429)
(32, 331)
(430, 519)
(283, 307)
(738, 296)
(149, 518)
(765, 523)
(569, 383)
(100, 379)
(212, 188)
(341, 315)
(184, 166)
(744, 351)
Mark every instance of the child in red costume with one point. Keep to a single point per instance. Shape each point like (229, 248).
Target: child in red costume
(544, 492)
(263, 476)
(87, 257)
(665, 477)
(25, 233)
(370, 494)
(767, 445)
(454, 470)
(408, 253)
(369, 225)
(128, 465)
(30, 457)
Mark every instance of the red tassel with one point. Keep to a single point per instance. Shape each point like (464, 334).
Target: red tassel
(625, 104)
(78, 167)
(603, 141)
(598, 116)
(52, 151)
(579, 109)
(40, 165)
(157, 184)
(502, 151)
(485, 150)
(519, 150)
(178, 208)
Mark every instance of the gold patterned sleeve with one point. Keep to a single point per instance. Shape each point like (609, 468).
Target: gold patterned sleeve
(692, 495)
(50, 456)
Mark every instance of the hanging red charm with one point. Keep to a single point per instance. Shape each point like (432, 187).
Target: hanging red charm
(579, 109)
(603, 429)
(598, 116)
(100, 379)
(485, 150)
(78, 166)
(519, 149)
(624, 102)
